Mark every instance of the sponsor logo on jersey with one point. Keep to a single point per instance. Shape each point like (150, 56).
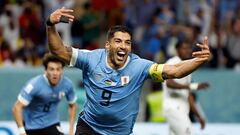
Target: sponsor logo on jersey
(98, 76)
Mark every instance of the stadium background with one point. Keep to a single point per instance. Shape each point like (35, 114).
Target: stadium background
(157, 25)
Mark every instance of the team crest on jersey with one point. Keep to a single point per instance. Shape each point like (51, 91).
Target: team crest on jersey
(61, 94)
(124, 80)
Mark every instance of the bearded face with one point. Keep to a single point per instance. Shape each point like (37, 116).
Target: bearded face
(118, 49)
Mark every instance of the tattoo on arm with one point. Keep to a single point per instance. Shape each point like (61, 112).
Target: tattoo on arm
(164, 76)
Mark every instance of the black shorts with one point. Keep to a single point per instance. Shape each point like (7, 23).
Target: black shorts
(84, 129)
(51, 130)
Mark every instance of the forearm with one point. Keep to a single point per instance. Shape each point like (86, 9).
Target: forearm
(56, 45)
(188, 66)
(181, 69)
(17, 113)
(71, 114)
(174, 85)
(193, 106)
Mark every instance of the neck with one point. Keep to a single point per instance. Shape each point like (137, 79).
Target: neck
(112, 64)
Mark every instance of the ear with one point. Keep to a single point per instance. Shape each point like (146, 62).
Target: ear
(107, 45)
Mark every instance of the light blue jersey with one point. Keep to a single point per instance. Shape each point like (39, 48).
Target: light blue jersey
(112, 95)
(42, 99)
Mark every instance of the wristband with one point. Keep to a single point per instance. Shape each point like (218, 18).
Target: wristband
(193, 86)
(48, 22)
(21, 130)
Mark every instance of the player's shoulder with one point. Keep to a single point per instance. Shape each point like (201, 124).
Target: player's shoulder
(138, 65)
(96, 54)
(36, 79)
(33, 83)
(95, 51)
(135, 58)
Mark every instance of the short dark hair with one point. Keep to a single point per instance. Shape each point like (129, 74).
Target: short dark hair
(118, 28)
(48, 57)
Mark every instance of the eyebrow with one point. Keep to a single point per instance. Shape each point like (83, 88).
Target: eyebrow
(128, 40)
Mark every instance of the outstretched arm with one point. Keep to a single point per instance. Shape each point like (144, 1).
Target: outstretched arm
(55, 43)
(188, 66)
(174, 85)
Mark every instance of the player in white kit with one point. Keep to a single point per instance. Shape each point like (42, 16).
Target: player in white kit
(178, 100)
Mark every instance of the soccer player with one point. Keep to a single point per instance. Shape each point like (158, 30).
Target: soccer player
(178, 98)
(113, 77)
(35, 110)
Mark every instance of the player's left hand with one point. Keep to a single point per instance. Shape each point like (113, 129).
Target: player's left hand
(204, 54)
(202, 123)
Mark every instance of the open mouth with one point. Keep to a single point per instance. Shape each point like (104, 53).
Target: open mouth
(121, 55)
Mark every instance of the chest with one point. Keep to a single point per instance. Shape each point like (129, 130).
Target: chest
(50, 94)
(110, 78)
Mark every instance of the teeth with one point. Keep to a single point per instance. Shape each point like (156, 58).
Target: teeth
(123, 53)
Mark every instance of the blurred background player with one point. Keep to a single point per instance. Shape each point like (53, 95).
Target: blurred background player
(154, 106)
(35, 111)
(81, 97)
(178, 99)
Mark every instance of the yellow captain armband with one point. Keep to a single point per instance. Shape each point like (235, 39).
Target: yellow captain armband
(155, 72)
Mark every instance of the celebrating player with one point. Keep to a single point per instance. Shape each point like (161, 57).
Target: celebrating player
(113, 77)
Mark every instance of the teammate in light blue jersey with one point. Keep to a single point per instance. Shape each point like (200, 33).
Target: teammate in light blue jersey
(113, 77)
(39, 98)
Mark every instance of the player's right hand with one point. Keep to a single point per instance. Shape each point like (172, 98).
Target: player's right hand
(56, 15)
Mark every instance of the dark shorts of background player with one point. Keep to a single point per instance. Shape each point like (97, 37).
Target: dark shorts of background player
(83, 128)
(51, 130)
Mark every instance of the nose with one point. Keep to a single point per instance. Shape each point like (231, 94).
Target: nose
(123, 46)
(55, 72)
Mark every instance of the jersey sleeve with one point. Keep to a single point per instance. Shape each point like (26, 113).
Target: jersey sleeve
(155, 71)
(79, 58)
(27, 93)
(71, 95)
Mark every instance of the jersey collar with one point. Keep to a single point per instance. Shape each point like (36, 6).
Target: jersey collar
(45, 78)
